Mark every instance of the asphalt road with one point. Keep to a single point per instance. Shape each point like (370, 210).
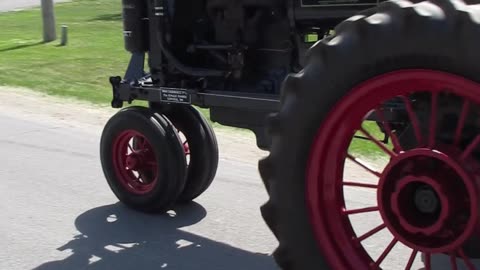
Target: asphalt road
(58, 212)
(7, 5)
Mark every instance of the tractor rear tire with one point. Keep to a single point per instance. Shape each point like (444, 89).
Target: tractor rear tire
(202, 148)
(142, 160)
(309, 134)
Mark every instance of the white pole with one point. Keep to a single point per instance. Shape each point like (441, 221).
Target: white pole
(48, 15)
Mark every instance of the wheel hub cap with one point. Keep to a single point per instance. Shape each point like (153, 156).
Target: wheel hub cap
(428, 200)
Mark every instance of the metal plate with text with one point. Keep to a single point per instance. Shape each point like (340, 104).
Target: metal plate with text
(174, 95)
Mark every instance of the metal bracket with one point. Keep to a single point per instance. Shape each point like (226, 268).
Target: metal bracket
(116, 101)
(135, 69)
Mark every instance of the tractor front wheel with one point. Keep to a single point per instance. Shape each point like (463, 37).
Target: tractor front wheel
(200, 146)
(328, 207)
(143, 160)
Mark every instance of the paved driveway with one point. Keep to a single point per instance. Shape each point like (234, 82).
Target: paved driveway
(8, 5)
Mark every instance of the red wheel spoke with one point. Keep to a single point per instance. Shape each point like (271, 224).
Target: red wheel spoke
(461, 122)
(428, 264)
(411, 260)
(453, 261)
(135, 184)
(130, 147)
(388, 130)
(361, 210)
(371, 232)
(433, 120)
(363, 165)
(355, 184)
(377, 142)
(467, 261)
(386, 252)
(413, 119)
(471, 147)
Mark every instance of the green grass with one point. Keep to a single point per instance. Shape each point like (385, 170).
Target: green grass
(81, 69)
(95, 50)
(368, 149)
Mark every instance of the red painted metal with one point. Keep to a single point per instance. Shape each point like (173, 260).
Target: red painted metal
(135, 164)
(454, 183)
(456, 191)
(186, 148)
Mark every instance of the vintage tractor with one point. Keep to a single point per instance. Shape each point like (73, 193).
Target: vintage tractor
(309, 77)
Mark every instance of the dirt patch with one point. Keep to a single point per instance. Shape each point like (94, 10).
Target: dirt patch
(30, 105)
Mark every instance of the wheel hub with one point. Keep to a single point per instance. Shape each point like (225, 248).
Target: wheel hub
(428, 199)
(135, 165)
(133, 162)
(417, 205)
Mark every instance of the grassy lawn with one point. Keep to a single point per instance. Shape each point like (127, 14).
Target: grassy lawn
(367, 149)
(81, 70)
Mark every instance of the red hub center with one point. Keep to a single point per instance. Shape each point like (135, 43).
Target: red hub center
(428, 200)
(133, 162)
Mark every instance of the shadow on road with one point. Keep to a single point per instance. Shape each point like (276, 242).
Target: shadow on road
(114, 237)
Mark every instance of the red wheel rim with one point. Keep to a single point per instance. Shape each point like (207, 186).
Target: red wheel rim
(134, 162)
(416, 206)
(185, 145)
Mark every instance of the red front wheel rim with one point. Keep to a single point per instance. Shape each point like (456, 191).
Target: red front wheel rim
(425, 211)
(134, 162)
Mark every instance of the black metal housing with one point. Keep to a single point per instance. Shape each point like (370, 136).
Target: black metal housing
(230, 56)
(240, 110)
(135, 27)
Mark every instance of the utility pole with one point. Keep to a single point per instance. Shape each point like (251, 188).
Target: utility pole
(48, 15)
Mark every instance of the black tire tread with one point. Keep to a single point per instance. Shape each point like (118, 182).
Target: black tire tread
(201, 139)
